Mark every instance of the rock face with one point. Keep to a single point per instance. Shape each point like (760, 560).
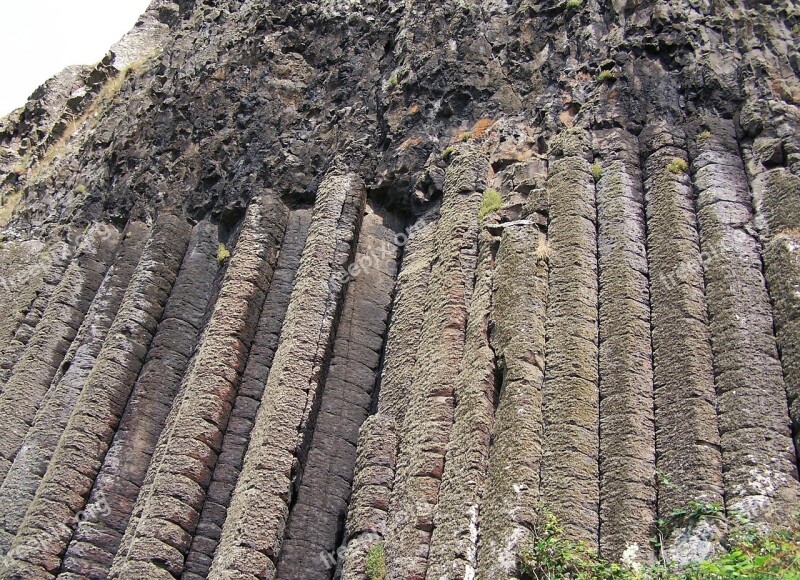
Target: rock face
(265, 314)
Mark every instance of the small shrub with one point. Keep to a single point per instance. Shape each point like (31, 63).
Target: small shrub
(606, 76)
(394, 81)
(80, 189)
(677, 166)
(222, 254)
(448, 152)
(466, 136)
(491, 202)
(376, 563)
(704, 135)
(574, 3)
(597, 172)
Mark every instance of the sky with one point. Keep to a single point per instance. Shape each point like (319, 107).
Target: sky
(38, 38)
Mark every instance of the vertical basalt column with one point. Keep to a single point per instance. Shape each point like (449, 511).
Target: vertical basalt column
(757, 450)
(94, 544)
(52, 516)
(254, 528)
(405, 328)
(429, 415)
(776, 198)
(570, 401)
(372, 488)
(29, 467)
(33, 374)
(368, 511)
(317, 517)
(519, 315)
(454, 541)
(627, 429)
(688, 460)
(166, 513)
(248, 399)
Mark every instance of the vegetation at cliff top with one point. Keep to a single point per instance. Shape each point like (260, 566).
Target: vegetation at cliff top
(606, 76)
(549, 556)
(491, 202)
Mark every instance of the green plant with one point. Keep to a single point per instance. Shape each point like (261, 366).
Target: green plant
(376, 563)
(597, 172)
(549, 555)
(677, 166)
(466, 136)
(606, 76)
(491, 202)
(704, 135)
(394, 81)
(574, 3)
(80, 189)
(222, 254)
(448, 152)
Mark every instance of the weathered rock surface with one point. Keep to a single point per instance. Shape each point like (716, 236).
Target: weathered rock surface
(291, 284)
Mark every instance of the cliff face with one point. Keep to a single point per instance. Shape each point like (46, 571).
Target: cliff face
(264, 314)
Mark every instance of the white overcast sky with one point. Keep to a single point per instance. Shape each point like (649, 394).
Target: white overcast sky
(38, 38)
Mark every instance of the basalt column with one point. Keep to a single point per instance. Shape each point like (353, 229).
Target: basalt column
(51, 518)
(28, 385)
(627, 430)
(429, 415)
(570, 400)
(757, 450)
(519, 315)
(95, 542)
(254, 529)
(454, 542)
(29, 467)
(368, 513)
(248, 399)
(688, 460)
(775, 198)
(317, 518)
(167, 510)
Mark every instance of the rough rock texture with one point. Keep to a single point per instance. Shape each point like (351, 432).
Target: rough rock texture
(286, 283)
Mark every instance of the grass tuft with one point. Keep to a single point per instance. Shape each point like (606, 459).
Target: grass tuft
(223, 254)
(597, 172)
(491, 202)
(606, 76)
(376, 563)
(677, 166)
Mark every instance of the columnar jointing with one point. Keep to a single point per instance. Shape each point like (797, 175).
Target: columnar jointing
(757, 449)
(254, 528)
(570, 402)
(777, 206)
(248, 399)
(31, 276)
(627, 430)
(368, 512)
(454, 542)
(51, 518)
(688, 460)
(167, 510)
(95, 542)
(519, 313)
(30, 464)
(33, 374)
(317, 517)
(429, 416)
